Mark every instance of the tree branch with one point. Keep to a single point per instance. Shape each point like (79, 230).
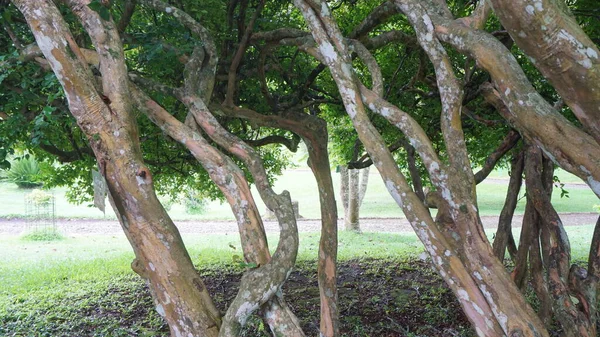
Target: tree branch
(233, 68)
(290, 143)
(511, 139)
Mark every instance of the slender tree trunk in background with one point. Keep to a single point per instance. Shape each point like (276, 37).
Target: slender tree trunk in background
(504, 238)
(351, 219)
(345, 188)
(364, 183)
(353, 187)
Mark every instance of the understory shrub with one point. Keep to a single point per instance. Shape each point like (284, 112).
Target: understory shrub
(25, 172)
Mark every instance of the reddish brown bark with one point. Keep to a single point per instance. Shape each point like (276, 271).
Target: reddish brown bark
(161, 257)
(504, 238)
(478, 305)
(313, 131)
(575, 322)
(562, 52)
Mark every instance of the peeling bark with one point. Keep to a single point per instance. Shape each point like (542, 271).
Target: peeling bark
(569, 147)
(179, 293)
(313, 131)
(477, 300)
(562, 52)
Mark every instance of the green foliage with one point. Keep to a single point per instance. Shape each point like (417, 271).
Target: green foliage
(43, 234)
(98, 7)
(24, 172)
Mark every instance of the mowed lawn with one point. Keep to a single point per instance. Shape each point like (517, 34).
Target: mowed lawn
(303, 188)
(39, 275)
(26, 264)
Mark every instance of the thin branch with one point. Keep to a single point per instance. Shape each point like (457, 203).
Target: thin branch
(290, 143)
(376, 17)
(511, 139)
(366, 161)
(231, 80)
(126, 15)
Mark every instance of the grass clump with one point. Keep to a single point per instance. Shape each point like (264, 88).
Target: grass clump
(43, 234)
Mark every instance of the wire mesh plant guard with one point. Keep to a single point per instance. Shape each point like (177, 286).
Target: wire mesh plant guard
(40, 211)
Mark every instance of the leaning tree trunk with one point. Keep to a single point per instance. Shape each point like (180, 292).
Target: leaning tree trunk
(562, 52)
(464, 259)
(178, 291)
(230, 179)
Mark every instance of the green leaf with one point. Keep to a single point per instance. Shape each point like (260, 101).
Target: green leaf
(104, 13)
(97, 7)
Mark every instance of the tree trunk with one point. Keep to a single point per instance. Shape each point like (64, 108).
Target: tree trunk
(345, 188)
(574, 320)
(353, 187)
(489, 298)
(351, 219)
(364, 183)
(328, 244)
(504, 237)
(161, 258)
(562, 52)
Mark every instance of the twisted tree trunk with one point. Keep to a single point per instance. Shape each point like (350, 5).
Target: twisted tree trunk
(161, 258)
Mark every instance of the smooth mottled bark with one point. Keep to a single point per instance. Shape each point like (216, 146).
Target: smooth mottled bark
(527, 111)
(560, 49)
(179, 293)
(504, 238)
(575, 322)
(313, 132)
(499, 292)
(353, 186)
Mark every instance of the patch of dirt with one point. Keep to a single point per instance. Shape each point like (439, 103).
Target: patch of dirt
(376, 298)
(16, 226)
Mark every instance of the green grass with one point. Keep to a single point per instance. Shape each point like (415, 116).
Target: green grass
(27, 265)
(65, 278)
(303, 188)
